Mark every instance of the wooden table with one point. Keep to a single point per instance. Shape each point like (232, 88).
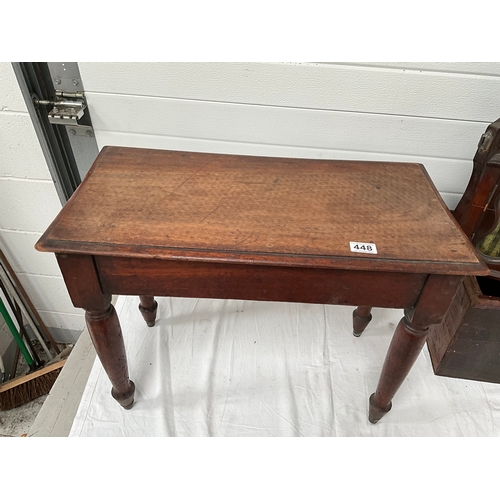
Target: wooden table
(169, 223)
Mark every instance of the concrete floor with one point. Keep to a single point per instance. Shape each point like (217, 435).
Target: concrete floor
(18, 421)
(52, 414)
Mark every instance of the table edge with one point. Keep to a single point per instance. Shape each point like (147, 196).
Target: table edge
(358, 262)
(268, 259)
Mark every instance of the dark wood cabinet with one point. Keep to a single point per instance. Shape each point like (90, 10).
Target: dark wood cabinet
(467, 343)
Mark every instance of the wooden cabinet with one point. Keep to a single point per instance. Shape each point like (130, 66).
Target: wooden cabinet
(467, 343)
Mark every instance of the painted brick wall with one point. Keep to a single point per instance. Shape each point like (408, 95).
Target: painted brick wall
(28, 203)
(430, 113)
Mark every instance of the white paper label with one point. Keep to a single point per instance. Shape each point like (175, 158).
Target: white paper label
(357, 246)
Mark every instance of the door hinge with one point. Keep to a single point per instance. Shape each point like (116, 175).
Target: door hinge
(67, 108)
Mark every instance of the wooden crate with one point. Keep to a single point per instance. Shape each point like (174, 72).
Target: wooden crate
(467, 343)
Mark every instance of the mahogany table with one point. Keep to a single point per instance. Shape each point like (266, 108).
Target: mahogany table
(169, 223)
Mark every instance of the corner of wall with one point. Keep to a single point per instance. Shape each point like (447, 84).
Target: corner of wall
(29, 204)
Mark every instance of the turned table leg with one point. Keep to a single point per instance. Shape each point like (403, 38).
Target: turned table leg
(148, 307)
(409, 338)
(106, 334)
(360, 319)
(79, 273)
(404, 349)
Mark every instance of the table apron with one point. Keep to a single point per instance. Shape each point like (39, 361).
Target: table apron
(133, 276)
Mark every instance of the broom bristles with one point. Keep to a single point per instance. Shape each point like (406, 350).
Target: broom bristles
(29, 387)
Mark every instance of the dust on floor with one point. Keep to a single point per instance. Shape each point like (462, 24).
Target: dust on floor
(18, 421)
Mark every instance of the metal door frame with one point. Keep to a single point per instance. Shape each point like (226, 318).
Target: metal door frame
(68, 149)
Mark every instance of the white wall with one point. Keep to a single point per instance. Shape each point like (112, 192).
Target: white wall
(28, 204)
(432, 113)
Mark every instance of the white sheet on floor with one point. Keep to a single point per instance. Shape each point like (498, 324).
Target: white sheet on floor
(241, 368)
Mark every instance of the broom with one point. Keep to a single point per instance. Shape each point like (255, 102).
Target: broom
(35, 383)
(14, 307)
(24, 389)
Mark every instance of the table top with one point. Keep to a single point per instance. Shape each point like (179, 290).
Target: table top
(263, 210)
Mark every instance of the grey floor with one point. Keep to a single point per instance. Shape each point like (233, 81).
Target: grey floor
(18, 421)
(52, 415)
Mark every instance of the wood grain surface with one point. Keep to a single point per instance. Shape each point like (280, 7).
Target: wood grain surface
(227, 208)
(125, 276)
